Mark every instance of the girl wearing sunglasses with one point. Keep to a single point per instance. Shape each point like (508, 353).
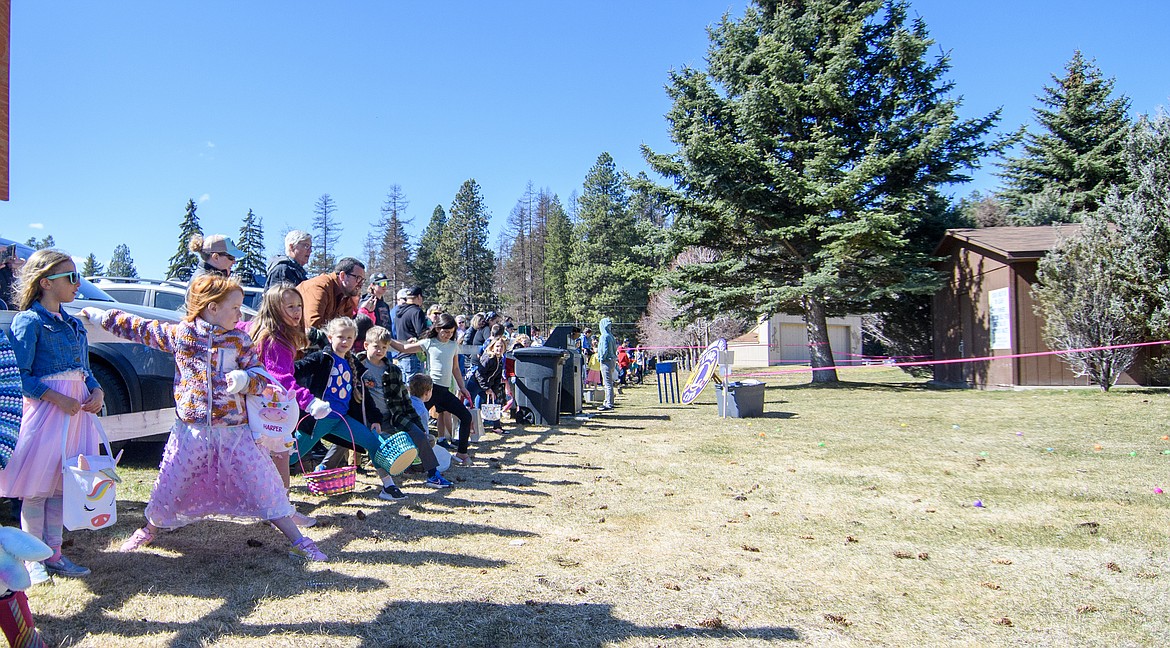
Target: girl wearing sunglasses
(60, 396)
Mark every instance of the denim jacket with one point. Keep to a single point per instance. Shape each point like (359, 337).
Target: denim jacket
(46, 345)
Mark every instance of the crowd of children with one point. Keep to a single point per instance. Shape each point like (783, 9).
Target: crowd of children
(214, 465)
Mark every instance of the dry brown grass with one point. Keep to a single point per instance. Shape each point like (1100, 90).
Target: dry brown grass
(664, 525)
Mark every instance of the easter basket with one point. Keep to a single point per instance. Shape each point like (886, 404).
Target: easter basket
(334, 481)
(395, 453)
(331, 481)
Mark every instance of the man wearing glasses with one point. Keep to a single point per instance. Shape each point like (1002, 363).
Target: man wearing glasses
(332, 295)
(290, 266)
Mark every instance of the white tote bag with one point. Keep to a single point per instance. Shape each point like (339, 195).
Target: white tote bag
(272, 415)
(89, 486)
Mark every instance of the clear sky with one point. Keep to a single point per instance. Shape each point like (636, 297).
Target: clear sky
(122, 111)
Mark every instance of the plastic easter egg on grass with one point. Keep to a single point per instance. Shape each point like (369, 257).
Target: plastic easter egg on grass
(978, 503)
(1166, 437)
(1133, 454)
(1157, 491)
(1097, 448)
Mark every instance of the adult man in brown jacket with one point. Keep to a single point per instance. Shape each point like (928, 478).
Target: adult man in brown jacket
(335, 294)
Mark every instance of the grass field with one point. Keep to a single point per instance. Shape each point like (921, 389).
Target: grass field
(844, 517)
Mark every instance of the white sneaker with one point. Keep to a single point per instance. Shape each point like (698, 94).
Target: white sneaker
(302, 520)
(37, 572)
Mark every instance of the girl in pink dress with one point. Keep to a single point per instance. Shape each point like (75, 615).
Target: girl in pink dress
(61, 396)
(279, 332)
(211, 468)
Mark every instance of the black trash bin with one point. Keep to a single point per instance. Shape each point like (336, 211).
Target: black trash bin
(538, 384)
(744, 399)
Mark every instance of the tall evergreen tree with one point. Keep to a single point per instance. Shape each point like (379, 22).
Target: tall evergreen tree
(606, 279)
(1079, 153)
(469, 266)
(182, 264)
(393, 242)
(428, 270)
(558, 251)
(121, 264)
(91, 267)
(326, 232)
(815, 140)
(254, 265)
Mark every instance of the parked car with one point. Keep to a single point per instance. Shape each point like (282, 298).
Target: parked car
(166, 294)
(138, 381)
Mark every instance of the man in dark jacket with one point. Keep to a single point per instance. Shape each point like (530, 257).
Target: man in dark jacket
(290, 266)
(410, 322)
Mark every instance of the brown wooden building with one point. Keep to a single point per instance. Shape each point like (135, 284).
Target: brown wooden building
(986, 309)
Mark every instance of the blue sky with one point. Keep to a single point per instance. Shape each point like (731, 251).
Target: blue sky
(122, 111)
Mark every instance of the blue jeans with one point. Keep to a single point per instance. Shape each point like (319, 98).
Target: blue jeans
(363, 436)
(410, 365)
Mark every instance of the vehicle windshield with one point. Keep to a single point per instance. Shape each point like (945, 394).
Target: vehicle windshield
(86, 291)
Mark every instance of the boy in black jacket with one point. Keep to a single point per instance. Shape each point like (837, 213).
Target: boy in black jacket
(380, 382)
(328, 375)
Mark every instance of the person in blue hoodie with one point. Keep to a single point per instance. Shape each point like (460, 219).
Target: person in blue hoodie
(607, 354)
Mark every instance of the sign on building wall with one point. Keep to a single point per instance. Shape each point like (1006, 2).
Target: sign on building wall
(999, 314)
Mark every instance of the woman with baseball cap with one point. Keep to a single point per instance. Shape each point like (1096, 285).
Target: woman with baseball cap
(217, 254)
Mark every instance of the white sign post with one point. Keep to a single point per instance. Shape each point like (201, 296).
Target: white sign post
(726, 359)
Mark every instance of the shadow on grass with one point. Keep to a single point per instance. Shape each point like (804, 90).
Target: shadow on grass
(463, 623)
(865, 386)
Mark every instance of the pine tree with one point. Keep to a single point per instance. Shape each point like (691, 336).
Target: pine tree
(816, 139)
(394, 243)
(253, 266)
(121, 264)
(326, 232)
(428, 271)
(467, 284)
(44, 243)
(557, 252)
(606, 279)
(182, 264)
(1079, 153)
(91, 267)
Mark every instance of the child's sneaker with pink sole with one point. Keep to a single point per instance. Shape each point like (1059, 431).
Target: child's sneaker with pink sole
(138, 540)
(307, 549)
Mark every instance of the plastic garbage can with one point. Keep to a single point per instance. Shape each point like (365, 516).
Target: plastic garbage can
(744, 399)
(538, 384)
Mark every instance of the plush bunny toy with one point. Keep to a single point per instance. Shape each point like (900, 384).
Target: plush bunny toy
(16, 621)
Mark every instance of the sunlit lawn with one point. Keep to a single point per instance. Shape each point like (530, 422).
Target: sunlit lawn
(845, 516)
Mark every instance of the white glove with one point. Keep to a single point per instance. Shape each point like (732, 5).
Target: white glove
(94, 315)
(319, 409)
(237, 381)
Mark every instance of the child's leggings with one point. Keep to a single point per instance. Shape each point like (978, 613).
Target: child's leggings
(41, 517)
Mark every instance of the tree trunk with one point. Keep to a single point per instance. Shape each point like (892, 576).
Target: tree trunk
(819, 351)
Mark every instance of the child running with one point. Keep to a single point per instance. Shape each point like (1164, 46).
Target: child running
(61, 397)
(278, 332)
(211, 467)
(381, 382)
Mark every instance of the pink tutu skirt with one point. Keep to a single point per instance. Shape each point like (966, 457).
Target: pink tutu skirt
(215, 473)
(35, 467)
